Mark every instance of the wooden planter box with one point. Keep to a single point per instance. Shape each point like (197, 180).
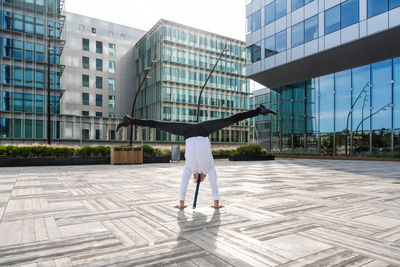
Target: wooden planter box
(126, 156)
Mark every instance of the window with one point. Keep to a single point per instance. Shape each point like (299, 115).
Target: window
(99, 100)
(85, 134)
(298, 34)
(111, 66)
(99, 64)
(111, 115)
(280, 41)
(85, 44)
(111, 84)
(349, 13)
(85, 80)
(111, 49)
(85, 63)
(111, 101)
(269, 13)
(85, 99)
(254, 21)
(99, 114)
(394, 4)
(280, 8)
(296, 4)
(99, 82)
(341, 16)
(255, 52)
(93, 30)
(270, 46)
(99, 47)
(85, 113)
(376, 7)
(98, 131)
(311, 29)
(332, 19)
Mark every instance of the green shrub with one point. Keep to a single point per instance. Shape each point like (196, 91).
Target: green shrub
(250, 150)
(3, 151)
(85, 151)
(148, 150)
(101, 150)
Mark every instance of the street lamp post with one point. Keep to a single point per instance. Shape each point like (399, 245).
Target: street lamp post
(147, 71)
(49, 29)
(350, 112)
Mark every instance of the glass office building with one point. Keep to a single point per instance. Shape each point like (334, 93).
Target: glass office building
(334, 69)
(260, 126)
(25, 30)
(183, 58)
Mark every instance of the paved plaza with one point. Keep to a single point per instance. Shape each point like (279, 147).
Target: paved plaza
(278, 213)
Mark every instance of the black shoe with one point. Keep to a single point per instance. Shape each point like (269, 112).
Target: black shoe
(262, 110)
(126, 121)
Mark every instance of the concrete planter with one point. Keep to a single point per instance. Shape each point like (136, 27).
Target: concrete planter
(126, 156)
(157, 159)
(51, 161)
(251, 158)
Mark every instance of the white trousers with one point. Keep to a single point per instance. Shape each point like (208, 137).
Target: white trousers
(211, 175)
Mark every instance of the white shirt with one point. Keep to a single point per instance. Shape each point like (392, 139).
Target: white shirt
(198, 154)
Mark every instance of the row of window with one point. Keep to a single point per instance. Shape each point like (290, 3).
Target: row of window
(273, 11)
(196, 40)
(178, 95)
(337, 17)
(98, 114)
(26, 51)
(38, 5)
(99, 100)
(99, 47)
(27, 77)
(198, 78)
(29, 103)
(340, 16)
(17, 128)
(22, 23)
(99, 64)
(202, 61)
(99, 82)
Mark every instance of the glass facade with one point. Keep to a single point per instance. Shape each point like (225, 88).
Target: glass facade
(359, 104)
(184, 60)
(23, 68)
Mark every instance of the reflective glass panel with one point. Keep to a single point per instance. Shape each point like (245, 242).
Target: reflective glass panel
(311, 28)
(270, 46)
(255, 51)
(296, 4)
(280, 8)
(85, 99)
(99, 64)
(280, 39)
(394, 4)
(99, 47)
(342, 100)
(375, 7)
(85, 80)
(361, 80)
(111, 49)
(269, 13)
(111, 84)
(298, 34)
(256, 21)
(381, 94)
(396, 93)
(85, 63)
(326, 87)
(332, 19)
(349, 13)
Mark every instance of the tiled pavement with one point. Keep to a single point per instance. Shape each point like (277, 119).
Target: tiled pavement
(278, 213)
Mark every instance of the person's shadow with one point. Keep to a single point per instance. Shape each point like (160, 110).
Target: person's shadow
(199, 230)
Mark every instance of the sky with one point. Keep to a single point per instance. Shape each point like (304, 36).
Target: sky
(225, 17)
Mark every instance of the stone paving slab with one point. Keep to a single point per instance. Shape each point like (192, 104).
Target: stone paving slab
(278, 213)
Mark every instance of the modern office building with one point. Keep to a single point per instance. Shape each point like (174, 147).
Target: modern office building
(260, 126)
(98, 77)
(28, 31)
(180, 59)
(335, 68)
